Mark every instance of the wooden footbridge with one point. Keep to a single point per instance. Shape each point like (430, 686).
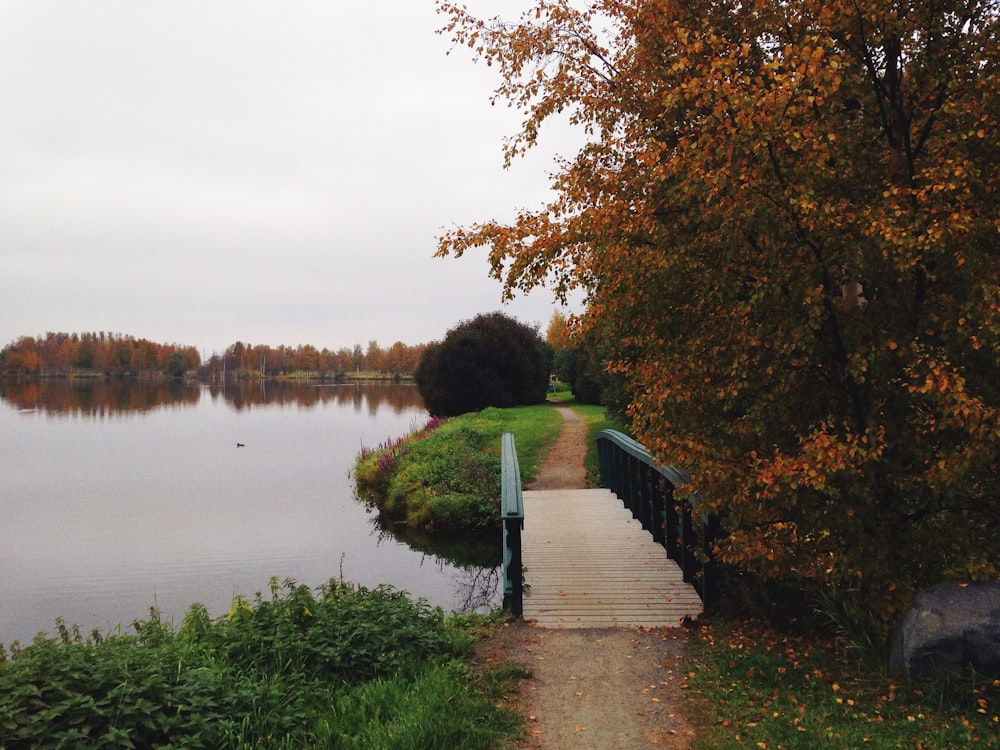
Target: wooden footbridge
(627, 556)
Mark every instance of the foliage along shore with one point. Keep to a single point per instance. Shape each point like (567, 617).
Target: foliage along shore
(338, 667)
(446, 475)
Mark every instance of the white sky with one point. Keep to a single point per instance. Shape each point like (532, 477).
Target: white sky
(266, 171)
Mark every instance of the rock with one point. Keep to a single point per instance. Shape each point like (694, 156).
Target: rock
(947, 629)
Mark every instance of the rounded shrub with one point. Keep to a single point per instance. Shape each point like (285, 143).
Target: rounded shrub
(491, 360)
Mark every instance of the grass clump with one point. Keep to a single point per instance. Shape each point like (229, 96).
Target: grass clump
(341, 667)
(762, 688)
(597, 418)
(447, 475)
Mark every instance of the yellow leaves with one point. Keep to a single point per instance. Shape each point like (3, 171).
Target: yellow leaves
(720, 167)
(823, 455)
(240, 606)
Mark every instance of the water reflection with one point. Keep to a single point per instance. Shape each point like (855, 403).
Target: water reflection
(99, 398)
(117, 495)
(479, 549)
(95, 398)
(478, 555)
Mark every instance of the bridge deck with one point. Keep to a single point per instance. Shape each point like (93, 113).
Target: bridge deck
(590, 564)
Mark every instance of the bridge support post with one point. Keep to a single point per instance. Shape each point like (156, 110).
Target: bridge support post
(512, 520)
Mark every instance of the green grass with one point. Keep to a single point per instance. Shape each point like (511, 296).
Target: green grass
(562, 393)
(759, 688)
(341, 667)
(535, 429)
(447, 475)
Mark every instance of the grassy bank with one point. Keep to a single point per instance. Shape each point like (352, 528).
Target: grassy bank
(447, 474)
(755, 687)
(596, 419)
(339, 667)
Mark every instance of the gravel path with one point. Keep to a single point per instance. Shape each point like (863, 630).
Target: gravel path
(601, 689)
(563, 466)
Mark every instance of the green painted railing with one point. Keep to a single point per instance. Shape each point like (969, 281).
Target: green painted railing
(648, 491)
(512, 518)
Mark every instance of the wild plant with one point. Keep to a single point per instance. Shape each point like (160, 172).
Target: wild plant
(375, 466)
(277, 670)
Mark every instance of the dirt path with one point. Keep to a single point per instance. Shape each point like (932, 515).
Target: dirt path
(601, 689)
(563, 466)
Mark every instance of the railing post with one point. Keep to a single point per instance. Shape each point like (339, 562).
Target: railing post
(605, 459)
(672, 522)
(648, 491)
(709, 586)
(648, 516)
(512, 520)
(628, 487)
(688, 561)
(659, 496)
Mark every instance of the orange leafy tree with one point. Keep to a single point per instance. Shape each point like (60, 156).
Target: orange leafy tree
(785, 222)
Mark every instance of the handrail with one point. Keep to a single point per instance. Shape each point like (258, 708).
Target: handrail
(512, 519)
(647, 490)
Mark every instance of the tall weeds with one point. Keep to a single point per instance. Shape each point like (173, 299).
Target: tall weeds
(338, 667)
(447, 476)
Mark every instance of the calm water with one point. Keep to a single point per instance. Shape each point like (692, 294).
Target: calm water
(114, 498)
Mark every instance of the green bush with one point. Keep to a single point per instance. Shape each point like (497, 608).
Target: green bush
(339, 667)
(584, 374)
(354, 633)
(450, 480)
(491, 360)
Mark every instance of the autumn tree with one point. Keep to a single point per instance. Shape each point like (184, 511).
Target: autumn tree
(111, 353)
(785, 221)
(374, 359)
(22, 356)
(558, 335)
(577, 361)
(305, 359)
(400, 358)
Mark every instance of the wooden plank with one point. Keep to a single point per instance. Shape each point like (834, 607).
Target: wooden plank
(589, 563)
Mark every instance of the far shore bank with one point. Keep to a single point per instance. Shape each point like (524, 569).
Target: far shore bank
(94, 375)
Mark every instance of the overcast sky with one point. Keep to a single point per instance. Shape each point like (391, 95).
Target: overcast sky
(266, 171)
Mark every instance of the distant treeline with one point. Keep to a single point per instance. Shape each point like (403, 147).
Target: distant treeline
(115, 354)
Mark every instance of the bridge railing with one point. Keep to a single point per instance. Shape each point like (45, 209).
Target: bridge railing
(512, 518)
(648, 491)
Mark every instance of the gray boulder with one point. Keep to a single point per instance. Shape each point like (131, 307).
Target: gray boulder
(947, 629)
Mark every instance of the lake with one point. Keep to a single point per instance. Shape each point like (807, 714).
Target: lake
(115, 497)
